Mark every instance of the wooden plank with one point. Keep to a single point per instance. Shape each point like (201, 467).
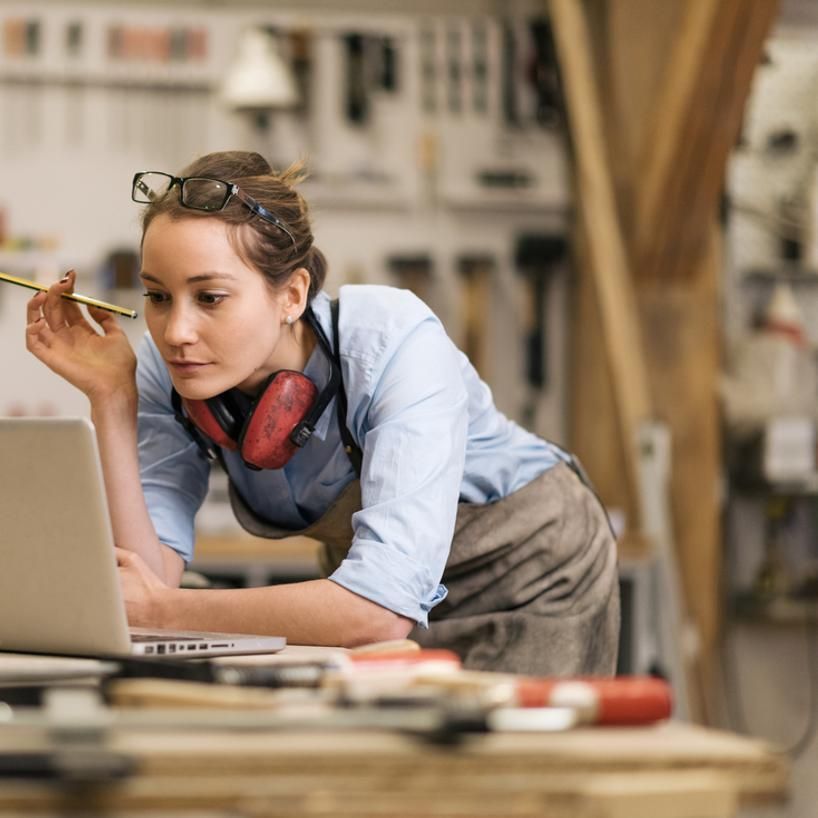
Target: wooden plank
(630, 74)
(366, 774)
(682, 319)
(684, 150)
(666, 135)
(606, 252)
(593, 426)
(694, 125)
(629, 68)
(675, 99)
(752, 25)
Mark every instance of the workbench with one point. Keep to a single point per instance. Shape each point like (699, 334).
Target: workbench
(669, 770)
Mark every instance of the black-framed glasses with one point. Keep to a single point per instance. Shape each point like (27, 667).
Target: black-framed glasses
(200, 193)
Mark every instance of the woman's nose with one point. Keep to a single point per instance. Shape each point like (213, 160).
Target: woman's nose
(180, 328)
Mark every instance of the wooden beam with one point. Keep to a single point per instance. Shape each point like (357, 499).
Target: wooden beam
(630, 76)
(594, 430)
(693, 127)
(683, 148)
(606, 251)
(675, 78)
(682, 318)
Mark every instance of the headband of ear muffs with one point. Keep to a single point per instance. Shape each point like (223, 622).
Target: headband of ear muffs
(279, 421)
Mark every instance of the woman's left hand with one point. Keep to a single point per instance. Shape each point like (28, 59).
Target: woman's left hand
(141, 590)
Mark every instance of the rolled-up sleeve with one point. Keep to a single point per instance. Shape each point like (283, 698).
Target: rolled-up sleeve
(413, 423)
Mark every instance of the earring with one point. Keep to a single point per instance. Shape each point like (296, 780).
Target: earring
(290, 319)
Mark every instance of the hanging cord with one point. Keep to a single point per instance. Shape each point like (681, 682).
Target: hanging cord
(776, 223)
(732, 689)
(734, 704)
(797, 749)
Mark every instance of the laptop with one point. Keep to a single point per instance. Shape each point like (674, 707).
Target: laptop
(59, 584)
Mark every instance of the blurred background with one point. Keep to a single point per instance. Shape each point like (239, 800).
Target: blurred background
(612, 205)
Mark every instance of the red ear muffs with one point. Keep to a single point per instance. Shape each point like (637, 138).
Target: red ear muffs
(266, 440)
(207, 417)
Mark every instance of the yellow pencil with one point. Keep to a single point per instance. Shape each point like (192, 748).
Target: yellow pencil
(82, 299)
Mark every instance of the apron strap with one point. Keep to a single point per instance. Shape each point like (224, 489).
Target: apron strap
(352, 449)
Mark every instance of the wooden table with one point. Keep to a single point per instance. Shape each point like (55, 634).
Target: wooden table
(671, 770)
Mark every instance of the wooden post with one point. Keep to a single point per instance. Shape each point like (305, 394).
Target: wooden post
(605, 247)
(676, 76)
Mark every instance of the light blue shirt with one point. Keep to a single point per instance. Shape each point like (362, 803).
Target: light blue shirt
(430, 434)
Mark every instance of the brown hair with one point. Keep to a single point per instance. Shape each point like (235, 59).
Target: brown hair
(258, 243)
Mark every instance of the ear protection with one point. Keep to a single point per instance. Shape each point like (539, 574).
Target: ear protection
(277, 423)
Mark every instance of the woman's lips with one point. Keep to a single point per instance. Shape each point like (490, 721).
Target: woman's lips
(186, 367)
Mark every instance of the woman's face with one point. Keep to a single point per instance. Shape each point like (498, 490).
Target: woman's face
(215, 320)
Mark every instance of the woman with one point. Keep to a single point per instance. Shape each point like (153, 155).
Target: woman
(356, 422)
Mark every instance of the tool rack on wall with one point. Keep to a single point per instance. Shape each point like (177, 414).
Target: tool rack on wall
(434, 143)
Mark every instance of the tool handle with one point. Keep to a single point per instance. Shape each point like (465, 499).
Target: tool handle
(622, 700)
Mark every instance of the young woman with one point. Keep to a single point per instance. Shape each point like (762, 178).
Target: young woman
(355, 421)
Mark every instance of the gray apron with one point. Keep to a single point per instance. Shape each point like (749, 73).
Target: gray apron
(532, 578)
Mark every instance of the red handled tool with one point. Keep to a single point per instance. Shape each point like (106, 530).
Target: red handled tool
(622, 700)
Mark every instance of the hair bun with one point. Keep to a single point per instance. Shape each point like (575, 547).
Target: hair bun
(295, 174)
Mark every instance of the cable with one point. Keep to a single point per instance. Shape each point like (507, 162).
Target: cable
(797, 749)
(732, 690)
(734, 705)
(775, 222)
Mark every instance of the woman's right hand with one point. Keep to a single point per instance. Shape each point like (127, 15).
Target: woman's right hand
(99, 364)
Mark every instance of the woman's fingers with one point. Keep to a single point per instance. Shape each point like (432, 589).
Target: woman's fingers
(107, 320)
(37, 331)
(60, 312)
(34, 308)
(72, 314)
(54, 307)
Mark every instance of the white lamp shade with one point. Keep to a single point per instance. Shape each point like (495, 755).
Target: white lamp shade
(259, 78)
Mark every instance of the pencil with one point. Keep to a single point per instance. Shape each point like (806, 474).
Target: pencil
(82, 299)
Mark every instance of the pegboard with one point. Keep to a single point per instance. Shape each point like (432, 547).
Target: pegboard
(90, 93)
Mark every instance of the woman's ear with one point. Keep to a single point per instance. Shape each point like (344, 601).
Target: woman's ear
(295, 293)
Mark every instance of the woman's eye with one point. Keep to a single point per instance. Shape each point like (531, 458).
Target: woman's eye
(155, 297)
(211, 299)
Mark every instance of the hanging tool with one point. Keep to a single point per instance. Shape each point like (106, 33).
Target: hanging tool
(480, 69)
(388, 79)
(301, 51)
(543, 74)
(428, 69)
(454, 61)
(511, 113)
(414, 272)
(476, 271)
(357, 93)
(537, 256)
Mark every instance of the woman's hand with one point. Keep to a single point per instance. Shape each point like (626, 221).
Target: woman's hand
(99, 364)
(141, 590)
